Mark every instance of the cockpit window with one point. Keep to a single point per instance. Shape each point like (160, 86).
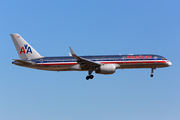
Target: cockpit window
(164, 59)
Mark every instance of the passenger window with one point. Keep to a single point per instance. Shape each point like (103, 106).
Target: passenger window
(164, 59)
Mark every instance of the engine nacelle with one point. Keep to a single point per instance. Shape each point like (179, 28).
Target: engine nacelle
(106, 69)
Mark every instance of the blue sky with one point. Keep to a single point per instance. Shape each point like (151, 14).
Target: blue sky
(96, 27)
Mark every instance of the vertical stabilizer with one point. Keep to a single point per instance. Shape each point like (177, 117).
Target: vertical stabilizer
(25, 51)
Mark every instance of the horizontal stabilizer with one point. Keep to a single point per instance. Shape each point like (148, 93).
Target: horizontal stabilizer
(23, 62)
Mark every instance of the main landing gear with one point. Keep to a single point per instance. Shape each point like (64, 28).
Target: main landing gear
(152, 71)
(89, 76)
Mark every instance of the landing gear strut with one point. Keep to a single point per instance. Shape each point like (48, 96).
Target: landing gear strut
(89, 76)
(152, 71)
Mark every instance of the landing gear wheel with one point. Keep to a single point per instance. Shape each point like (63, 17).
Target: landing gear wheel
(91, 76)
(87, 77)
(151, 75)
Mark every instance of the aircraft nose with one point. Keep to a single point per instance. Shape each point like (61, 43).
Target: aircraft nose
(169, 63)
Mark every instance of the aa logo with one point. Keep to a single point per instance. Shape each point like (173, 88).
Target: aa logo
(26, 49)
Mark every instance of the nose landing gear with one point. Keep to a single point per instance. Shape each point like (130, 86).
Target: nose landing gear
(152, 71)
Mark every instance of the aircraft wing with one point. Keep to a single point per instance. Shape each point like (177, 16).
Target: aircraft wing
(83, 61)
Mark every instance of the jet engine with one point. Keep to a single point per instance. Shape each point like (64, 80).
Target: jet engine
(106, 69)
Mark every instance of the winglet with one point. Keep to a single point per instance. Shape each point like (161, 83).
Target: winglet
(87, 61)
(72, 52)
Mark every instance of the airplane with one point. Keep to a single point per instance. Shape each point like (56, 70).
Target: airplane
(103, 64)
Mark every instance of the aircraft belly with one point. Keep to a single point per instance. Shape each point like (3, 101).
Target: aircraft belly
(55, 67)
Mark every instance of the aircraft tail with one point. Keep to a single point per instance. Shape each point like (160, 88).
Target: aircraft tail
(25, 51)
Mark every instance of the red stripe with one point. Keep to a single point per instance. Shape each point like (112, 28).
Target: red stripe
(115, 62)
(121, 62)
